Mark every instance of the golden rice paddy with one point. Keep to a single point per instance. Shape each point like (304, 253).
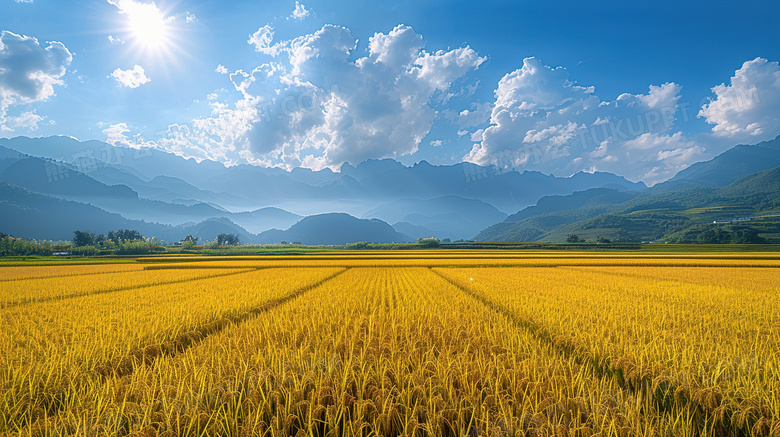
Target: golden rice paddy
(482, 343)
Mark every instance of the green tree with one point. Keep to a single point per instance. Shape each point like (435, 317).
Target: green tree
(228, 240)
(194, 240)
(125, 235)
(571, 238)
(714, 236)
(428, 242)
(747, 236)
(83, 238)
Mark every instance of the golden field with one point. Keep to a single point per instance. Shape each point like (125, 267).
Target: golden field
(476, 343)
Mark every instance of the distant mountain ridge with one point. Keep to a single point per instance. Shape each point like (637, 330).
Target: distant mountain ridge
(672, 216)
(29, 215)
(160, 187)
(629, 212)
(423, 200)
(740, 161)
(335, 228)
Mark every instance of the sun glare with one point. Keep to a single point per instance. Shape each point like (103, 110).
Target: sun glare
(148, 25)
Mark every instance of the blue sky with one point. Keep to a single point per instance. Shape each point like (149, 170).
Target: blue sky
(641, 89)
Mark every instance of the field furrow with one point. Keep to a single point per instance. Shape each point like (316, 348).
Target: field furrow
(41, 272)
(54, 288)
(421, 343)
(710, 346)
(373, 352)
(55, 352)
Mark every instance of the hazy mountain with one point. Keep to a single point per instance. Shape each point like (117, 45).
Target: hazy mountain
(24, 214)
(249, 187)
(415, 231)
(676, 216)
(208, 230)
(148, 162)
(46, 177)
(554, 216)
(256, 184)
(506, 191)
(735, 163)
(6, 153)
(594, 196)
(167, 189)
(452, 226)
(67, 183)
(335, 228)
(456, 201)
(29, 215)
(448, 217)
(534, 222)
(35, 216)
(265, 218)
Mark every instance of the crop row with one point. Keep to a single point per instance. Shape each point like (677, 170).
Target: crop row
(375, 351)
(709, 340)
(55, 353)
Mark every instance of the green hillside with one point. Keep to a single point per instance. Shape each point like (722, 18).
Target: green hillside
(746, 211)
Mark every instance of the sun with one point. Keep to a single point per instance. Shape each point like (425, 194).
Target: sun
(152, 33)
(148, 25)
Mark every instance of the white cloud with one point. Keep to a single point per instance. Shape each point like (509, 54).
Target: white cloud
(115, 134)
(437, 143)
(477, 114)
(131, 78)
(300, 12)
(115, 40)
(27, 120)
(28, 71)
(262, 41)
(131, 7)
(318, 106)
(24, 1)
(748, 109)
(543, 121)
(221, 69)
(190, 18)
(143, 12)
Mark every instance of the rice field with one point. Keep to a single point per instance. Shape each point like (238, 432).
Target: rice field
(451, 343)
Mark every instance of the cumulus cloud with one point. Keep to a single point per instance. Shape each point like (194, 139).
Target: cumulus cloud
(134, 8)
(317, 106)
(262, 41)
(477, 114)
(115, 39)
(131, 78)
(221, 69)
(29, 71)
(300, 12)
(115, 134)
(748, 108)
(543, 121)
(27, 120)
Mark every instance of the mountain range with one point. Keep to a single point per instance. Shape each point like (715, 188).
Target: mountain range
(176, 194)
(53, 186)
(737, 190)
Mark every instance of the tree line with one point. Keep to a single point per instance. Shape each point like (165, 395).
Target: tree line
(119, 242)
